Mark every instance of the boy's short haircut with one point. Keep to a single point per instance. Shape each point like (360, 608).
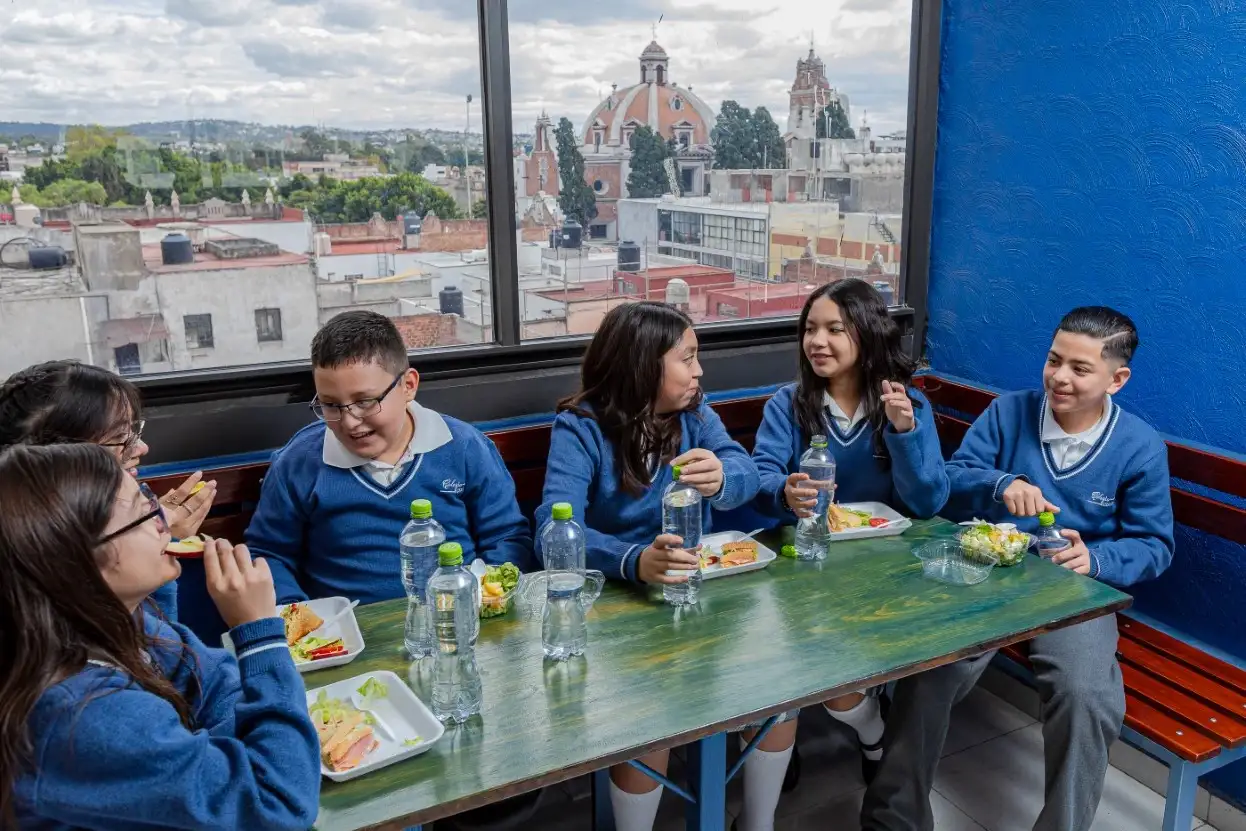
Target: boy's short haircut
(359, 338)
(1116, 330)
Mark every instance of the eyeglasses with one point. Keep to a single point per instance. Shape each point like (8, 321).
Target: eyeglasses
(359, 409)
(131, 441)
(156, 513)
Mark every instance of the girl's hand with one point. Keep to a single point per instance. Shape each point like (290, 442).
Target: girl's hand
(898, 407)
(701, 469)
(666, 555)
(800, 500)
(242, 589)
(186, 511)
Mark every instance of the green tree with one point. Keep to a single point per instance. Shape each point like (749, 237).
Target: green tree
(575, 197)
(65, 192)
(771, 152)
(82, 140)
(356, 201)
(649, 153)
(838, 127)
(50, 171)
(480, 209)
(734, 138)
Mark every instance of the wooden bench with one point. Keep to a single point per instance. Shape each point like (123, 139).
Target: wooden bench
(1184, 707)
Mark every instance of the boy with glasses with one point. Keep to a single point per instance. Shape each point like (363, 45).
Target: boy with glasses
(338, 494)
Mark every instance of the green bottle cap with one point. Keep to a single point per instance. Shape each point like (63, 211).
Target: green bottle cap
(1046, 519)
(818, 442)
(675, 470)
(421, 509)
(562, 511)
(788, 551)
(450, 554)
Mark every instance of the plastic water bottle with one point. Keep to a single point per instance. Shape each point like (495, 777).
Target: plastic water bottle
(452, 613)
(1050, 543)
(681, 516)
(812, 533)
(563, 631)
(418, 546)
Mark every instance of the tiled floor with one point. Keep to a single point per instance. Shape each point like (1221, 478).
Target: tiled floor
(991, 779)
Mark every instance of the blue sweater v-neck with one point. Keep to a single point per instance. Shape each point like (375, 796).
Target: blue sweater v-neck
(1116, 497)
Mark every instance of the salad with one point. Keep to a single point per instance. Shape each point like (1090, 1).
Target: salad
(496, 585)
(1007, 544)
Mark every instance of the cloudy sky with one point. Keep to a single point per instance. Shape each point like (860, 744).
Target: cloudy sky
(375, 64)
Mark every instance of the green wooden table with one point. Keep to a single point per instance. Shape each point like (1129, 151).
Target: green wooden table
(656, 677)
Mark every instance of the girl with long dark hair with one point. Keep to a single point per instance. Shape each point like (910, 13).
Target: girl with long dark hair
(639, 411)
(854, 388)
(67, 401)
(113, 719)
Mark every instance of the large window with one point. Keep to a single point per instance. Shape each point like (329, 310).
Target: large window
(181, 181)
(210, 207)
(731, 157)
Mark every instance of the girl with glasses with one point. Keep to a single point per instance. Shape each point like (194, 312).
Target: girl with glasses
(65, 401)
(114, 719)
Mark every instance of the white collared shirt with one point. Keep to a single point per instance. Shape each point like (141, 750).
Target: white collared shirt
(431, 432)
(843, 421)
(1067, 450)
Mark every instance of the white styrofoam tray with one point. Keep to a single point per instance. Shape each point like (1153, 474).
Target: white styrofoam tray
(347, 629)
(713, 543)
(400, 711)
(877, 509)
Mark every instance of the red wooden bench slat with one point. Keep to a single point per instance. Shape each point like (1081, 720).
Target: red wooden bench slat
(1167, 732)
(232, 527)
(1182, 677)
(1182, 706)
(529, 483)
(964, 399)
(741, 414)
(1225, 673)
(523, 446)
(1148, 720)
(1208, 515)
(1208, 469)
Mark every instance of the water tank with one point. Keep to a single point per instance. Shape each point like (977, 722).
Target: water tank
(629, 256)
(884, 288)
(572, 233)
(176, 249)
(677, 293)
(322, 244)
(411, 223)
(48, 256)
(451, 301)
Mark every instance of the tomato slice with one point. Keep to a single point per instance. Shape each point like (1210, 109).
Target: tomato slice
(876, 521)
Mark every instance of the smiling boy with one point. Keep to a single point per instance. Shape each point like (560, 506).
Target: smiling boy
(1072, 450)
(338, 494)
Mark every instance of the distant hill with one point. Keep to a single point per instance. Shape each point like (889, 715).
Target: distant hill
(43, 131)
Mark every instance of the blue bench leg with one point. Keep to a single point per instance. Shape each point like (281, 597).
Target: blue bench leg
(707, 773)
(603, 814)
(1182, 788)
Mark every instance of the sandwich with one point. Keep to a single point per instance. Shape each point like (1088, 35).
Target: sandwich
(841, 519)
(300, 622)
(350, 741)
(738, 553)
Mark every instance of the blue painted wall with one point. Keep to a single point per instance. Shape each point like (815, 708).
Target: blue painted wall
(1095, 152)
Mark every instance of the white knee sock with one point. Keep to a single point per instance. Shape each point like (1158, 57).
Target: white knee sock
(866, 719)
(763, 785)
(634, 811)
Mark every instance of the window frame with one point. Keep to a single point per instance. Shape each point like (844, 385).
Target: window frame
(509, 354)
(268, 313)
(197, 320)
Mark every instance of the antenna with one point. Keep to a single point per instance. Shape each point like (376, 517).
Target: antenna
(654, 28)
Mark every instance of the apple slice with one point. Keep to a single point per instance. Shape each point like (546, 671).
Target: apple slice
(191, 547)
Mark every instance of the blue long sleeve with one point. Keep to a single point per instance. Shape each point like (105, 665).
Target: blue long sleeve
(278, 529)
(774, 456)
(1145, 544)
(571, 472)
(501, 533)
(123, 759)
(976, 483)
(165, 599)
(740, 477)
(918, 472)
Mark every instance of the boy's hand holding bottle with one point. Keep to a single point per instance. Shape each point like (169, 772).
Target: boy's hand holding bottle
(1076, 557)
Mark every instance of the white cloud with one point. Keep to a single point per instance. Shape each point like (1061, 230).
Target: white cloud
(409, 63)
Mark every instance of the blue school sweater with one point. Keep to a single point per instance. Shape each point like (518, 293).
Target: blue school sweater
(333, 532)
(1117, 497)
(165, 599)
(915, 483)
(110, 755)
(619, 526)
